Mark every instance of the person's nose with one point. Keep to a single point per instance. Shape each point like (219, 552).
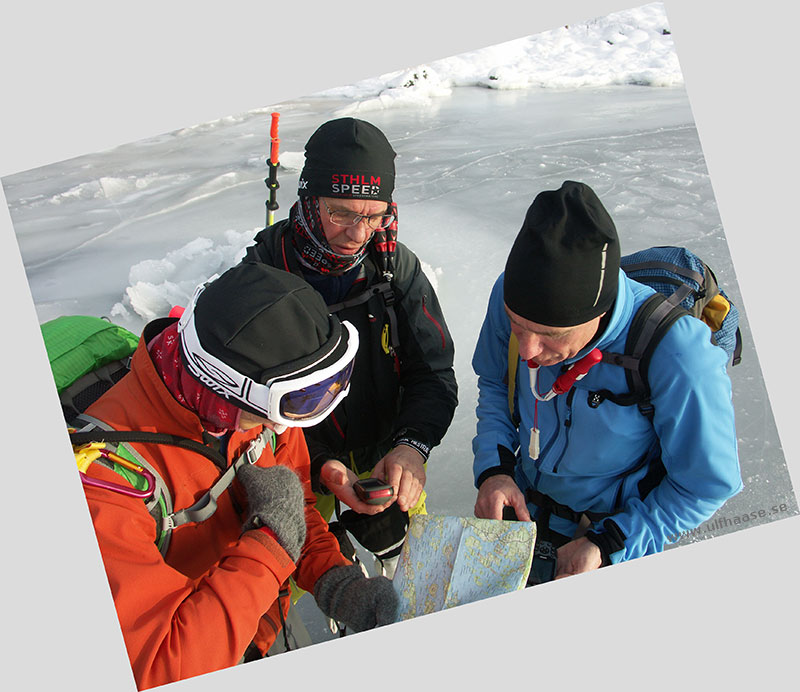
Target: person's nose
(360, 232)
(530, 345)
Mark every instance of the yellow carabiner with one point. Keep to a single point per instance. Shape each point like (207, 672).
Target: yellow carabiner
(86, 454)
(385, 339)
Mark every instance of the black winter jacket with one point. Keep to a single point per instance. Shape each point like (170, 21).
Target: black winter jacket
(409, 391)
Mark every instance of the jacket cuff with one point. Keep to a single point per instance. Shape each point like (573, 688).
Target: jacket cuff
(610, 540)
(508, 462)
(412, 438)
(283, 561)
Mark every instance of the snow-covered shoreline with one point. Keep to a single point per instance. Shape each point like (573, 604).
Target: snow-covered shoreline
(632, 46)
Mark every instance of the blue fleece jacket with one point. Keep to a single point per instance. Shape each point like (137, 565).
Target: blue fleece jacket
(593, 458)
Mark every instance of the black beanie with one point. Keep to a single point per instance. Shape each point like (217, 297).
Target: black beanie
(350, 159)
(263, 323)
(563, 267)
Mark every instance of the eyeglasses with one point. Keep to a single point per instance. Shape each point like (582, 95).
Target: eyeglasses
(350, 218)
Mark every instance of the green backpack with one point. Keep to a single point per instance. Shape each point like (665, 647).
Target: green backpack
(88, 355)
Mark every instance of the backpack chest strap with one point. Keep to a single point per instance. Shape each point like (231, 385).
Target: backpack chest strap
(207, 504)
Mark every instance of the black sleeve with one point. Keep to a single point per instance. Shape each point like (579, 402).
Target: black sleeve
(430, 392)
(508, 462)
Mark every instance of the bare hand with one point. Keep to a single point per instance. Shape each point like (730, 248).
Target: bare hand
(575, 557)
(497, 492)
(339, 480)
(404, 469)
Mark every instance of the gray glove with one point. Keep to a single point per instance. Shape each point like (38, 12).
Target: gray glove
(346, 595)
(275, 499)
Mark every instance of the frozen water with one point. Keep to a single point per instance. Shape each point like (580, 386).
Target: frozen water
(130, 231)
(142, 224)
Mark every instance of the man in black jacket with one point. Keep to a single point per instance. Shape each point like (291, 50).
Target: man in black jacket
(341, 237)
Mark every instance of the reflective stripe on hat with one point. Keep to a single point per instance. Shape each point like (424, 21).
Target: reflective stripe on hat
(603, 258)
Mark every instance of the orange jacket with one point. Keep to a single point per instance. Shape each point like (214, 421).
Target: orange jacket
(197, 610)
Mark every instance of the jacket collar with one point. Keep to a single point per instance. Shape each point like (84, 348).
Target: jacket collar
(164, 412)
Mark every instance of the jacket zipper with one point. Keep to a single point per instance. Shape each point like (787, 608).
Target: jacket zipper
(567, 424)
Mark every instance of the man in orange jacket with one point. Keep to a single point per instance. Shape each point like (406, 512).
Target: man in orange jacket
(256, 353)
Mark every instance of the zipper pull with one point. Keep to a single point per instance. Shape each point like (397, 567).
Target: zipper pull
(533, 445)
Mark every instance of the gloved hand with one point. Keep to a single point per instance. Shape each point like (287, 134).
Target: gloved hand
(275, 499)
(346, 595)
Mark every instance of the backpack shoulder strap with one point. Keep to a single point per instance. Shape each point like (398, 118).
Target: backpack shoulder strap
(207, 504)
(513, 362)
(383, 288)
(77, 397)
(100, 432)
(161, 506)
(651, 322)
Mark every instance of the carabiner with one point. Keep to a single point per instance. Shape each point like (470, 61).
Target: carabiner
(86, 454)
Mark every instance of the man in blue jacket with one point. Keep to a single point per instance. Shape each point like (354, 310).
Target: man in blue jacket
(604, 483)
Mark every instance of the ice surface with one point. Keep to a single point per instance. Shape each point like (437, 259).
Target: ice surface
(130, 231)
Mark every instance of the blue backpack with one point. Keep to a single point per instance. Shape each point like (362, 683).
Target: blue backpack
(684, 284)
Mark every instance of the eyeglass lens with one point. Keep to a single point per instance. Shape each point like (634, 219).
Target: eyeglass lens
(350, 218)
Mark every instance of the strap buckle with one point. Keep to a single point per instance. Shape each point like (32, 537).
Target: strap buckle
(256, 448)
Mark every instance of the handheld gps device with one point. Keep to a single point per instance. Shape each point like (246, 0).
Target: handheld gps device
(373, 491)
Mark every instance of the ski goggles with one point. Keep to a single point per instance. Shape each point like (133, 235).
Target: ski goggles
(298, 399)
(304, 400)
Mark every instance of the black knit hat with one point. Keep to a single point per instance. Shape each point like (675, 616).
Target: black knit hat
(563, 267)
(350, 159)
(263, 323)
